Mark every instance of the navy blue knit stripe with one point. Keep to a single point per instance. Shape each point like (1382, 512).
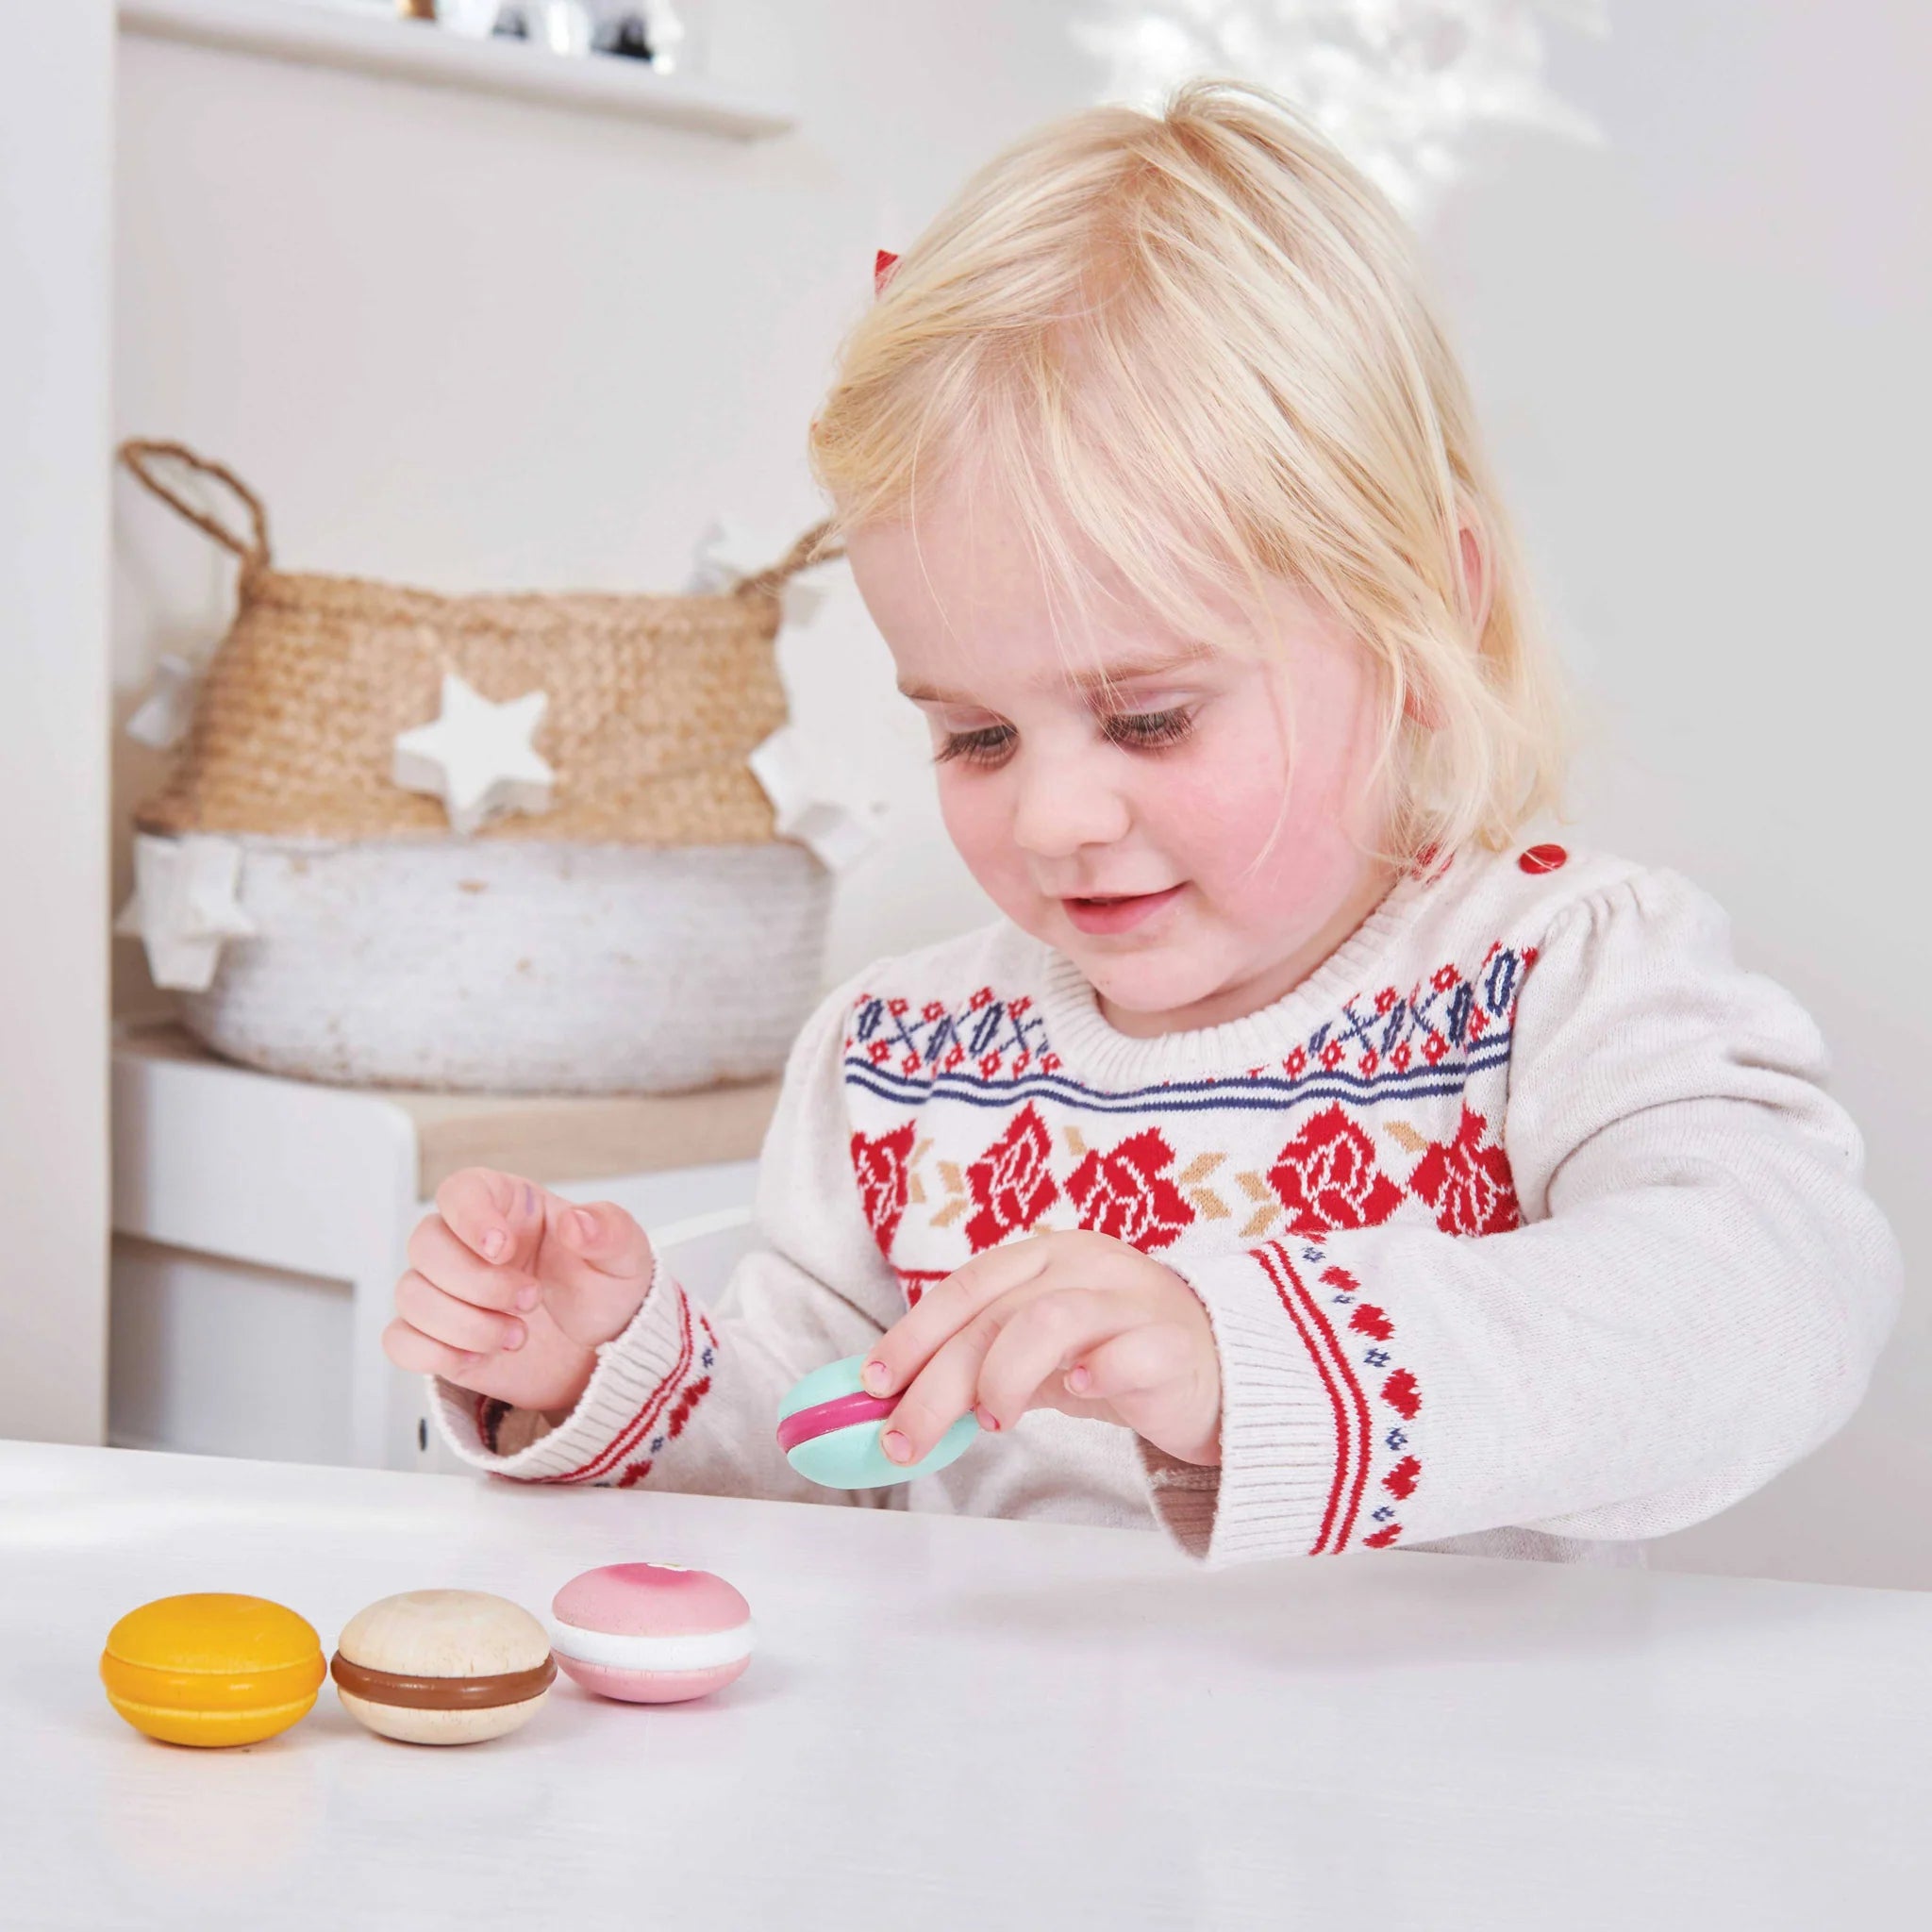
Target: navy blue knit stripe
(1264, 1093)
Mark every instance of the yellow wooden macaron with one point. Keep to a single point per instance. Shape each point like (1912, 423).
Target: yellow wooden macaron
(213, 1669)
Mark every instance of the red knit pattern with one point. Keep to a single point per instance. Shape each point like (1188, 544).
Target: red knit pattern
(1327, 1178)
(1468, 1183)
(1361, 1433)
(1127, 1194)
(1011, 1182)
(880, 1168)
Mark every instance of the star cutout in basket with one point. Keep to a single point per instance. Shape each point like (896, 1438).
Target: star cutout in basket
(477, 757)
(165, 713)
(186, 907)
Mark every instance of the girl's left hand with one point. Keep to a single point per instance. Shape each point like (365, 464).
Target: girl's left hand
(1078, 1321)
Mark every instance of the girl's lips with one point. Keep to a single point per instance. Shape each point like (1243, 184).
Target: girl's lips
(1101, 916)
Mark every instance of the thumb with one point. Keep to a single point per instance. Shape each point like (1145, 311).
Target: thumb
(593, 1250)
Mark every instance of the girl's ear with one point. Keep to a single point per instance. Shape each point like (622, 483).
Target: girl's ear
(1477, 579)
(1476, 575)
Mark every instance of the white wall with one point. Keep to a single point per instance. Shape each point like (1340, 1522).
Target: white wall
(56, 90)
(468, 342)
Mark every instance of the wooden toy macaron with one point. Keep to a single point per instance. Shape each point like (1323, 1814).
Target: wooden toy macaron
(830, 1429)
(650, 1633)
(442, 1667)
(213, 1669)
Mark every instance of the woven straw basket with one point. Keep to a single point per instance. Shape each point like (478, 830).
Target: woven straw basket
(649, 932)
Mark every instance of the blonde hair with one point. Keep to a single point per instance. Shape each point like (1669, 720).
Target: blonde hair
(1199, 344)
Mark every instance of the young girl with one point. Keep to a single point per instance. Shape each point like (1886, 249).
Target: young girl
(1303, 1161)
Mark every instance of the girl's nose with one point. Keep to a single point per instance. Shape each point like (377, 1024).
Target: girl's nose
(1064, 804)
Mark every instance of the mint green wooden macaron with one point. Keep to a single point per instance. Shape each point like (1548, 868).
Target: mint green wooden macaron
(830, 1429)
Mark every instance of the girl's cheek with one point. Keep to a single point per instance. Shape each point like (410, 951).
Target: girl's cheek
(976, 816)
(1218, 803)
(1255, 852)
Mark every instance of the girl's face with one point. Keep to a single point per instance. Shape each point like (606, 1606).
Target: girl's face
(1134, 803)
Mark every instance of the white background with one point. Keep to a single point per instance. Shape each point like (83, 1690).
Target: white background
(466, 341)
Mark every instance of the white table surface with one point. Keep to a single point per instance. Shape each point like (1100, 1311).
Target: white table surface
(963, 1723)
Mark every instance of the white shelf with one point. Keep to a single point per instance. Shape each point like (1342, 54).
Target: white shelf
(406, 50)
(244, 1187)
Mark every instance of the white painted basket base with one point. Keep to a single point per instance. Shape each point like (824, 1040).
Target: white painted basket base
(519, 966)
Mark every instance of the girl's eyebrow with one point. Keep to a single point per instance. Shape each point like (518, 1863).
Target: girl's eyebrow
(1132, 672)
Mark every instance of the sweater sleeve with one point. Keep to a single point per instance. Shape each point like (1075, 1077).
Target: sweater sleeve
(1693, 1300)
(687, 1398)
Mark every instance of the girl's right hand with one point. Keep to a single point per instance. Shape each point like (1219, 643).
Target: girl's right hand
(511, 1290)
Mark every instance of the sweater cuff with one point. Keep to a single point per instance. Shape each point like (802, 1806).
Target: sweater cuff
(620, 1423)
(1295, 1428)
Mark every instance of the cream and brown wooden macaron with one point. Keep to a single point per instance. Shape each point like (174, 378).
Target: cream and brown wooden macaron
(442, 1667)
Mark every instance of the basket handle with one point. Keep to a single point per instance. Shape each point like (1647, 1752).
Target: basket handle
(138, 455)
(802, 556)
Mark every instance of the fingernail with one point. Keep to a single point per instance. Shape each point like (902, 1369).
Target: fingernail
(515, 1336)
(585, 1223)
(1080, 1380)
(876, 1377)
(526, 1297)
(495, 1242)
(896, 1446)
(529, 1199)
(986, 1420)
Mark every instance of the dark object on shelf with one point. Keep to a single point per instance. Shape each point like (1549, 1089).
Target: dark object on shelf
(628, 34)
(512, 24)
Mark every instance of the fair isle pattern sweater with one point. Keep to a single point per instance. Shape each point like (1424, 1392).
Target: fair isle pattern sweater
(1523, 1221)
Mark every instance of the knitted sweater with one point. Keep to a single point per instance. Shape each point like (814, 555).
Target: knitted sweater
(1523, 1221)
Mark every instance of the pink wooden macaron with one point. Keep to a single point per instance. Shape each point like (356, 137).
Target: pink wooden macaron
(650, 1633)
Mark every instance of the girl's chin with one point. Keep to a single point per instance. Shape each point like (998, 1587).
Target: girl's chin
(1147, 995)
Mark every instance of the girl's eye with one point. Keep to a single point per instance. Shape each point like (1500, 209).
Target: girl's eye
(992, 744)
(989, 745)
(1148, 730)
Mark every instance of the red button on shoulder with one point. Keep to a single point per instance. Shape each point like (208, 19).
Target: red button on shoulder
(1543, 859)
